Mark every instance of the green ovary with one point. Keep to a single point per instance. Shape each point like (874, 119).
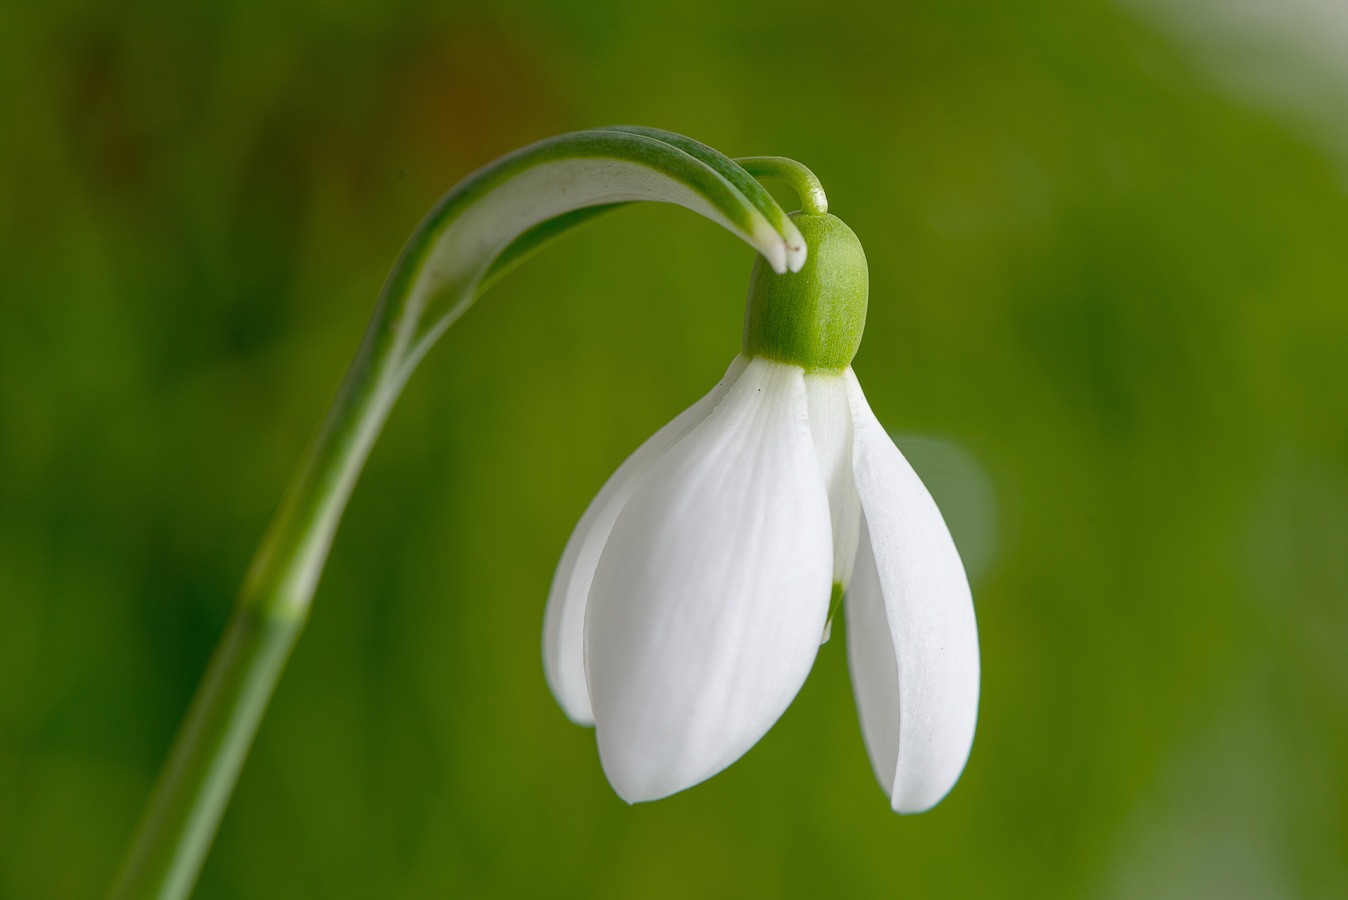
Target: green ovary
(812, 318)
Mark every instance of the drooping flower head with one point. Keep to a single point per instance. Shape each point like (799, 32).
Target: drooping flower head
(685, 612)
(693, 595)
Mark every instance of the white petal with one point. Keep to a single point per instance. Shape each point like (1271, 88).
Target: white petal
(831, 428)
(564, 618)
(709, 599)
(919, 705)
(875, 672)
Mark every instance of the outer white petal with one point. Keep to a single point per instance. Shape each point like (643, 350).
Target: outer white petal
(710, 596)
(564, 618)
(917, 691)
(875, 672)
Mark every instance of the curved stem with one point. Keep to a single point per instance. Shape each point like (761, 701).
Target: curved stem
(488, 223)
(195, 784)
(813, 201)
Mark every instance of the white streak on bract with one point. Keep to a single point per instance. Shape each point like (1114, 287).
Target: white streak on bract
(916, 570)
(710, 596)
(564, 618)
(465, 247)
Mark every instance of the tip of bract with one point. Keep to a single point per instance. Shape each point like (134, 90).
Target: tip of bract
(796, 250)
(785, 251)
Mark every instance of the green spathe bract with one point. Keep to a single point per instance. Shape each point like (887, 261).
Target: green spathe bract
(812, 318)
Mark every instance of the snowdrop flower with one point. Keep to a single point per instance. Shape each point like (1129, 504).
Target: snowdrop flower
(692, 597)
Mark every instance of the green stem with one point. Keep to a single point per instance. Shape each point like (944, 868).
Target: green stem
(195, 783)
(813, 201)
(487, 224)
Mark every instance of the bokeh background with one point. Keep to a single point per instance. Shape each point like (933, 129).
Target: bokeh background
(1109, 263)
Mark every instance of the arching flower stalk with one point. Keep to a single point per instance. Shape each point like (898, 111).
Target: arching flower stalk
(691, 598)
(489, 222)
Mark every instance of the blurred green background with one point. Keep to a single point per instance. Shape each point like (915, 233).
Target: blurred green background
(1109, 293)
